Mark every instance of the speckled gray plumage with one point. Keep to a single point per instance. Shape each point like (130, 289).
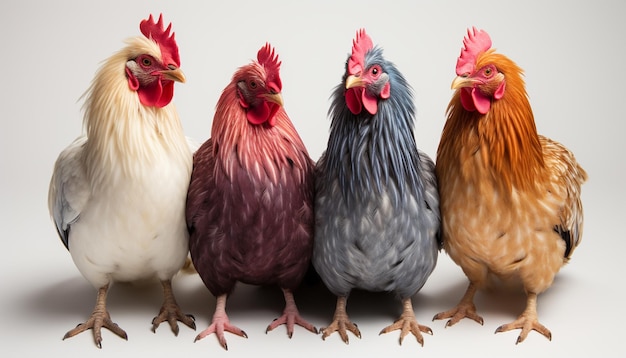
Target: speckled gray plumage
(377, 206)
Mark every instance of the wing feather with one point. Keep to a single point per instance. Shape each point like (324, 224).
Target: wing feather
(69, 190)
(431, 193)
(567, 177)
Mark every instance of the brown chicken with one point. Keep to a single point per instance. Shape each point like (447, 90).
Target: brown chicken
(510, 198)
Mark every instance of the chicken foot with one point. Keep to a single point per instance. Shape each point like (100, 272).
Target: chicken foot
(341, 322)
(221, 324)
(464, 309)
(290, 316)
(407, 323)
(99, 318)
(527, 321)
(170, 311)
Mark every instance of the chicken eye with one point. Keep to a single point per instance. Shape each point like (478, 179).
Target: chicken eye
(375, 71)
(488, 71)
(252, 84)
(146, 62)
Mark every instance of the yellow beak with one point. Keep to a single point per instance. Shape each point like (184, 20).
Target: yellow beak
(463, 81)
(275, 97)
(354, 81)
(174, 75)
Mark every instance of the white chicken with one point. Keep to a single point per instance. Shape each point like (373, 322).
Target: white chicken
(118, 192)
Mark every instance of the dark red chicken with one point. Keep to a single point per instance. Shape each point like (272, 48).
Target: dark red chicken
(250, 200)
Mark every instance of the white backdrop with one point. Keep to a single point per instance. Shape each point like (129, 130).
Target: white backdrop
(572, 52)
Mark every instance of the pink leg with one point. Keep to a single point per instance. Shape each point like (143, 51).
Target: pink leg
(221, 324)
(290, 316)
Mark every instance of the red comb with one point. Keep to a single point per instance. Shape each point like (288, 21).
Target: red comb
(475, 43)
(167, 43)
(360, 45)
(269, 59)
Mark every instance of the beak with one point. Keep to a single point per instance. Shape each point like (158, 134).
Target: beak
(354, 81)
(174, 74)
(275, 97)
(463, 81)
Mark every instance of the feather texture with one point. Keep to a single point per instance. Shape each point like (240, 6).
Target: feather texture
(365, 152)
(377, 206)
(250, 200)
(510, 198)
(262, 178)
(117, 193)
(122, 154)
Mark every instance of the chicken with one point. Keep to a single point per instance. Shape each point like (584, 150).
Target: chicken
(377, 207)
(510, 198)
(250, 201)
(117, 193)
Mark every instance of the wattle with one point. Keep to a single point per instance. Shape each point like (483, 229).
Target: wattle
(263, 113)
(159, 94)
(353, 100)
(473, 99)
(357, 98)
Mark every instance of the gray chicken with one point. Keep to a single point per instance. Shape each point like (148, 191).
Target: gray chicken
(377, 206)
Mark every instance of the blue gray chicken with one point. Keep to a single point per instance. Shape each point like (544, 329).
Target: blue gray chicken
(377, 216)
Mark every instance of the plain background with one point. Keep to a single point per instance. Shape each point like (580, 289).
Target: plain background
(573, 55)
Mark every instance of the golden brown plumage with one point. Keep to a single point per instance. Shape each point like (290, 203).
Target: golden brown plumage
(510, 198)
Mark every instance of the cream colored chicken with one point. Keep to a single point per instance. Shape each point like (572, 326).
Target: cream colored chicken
(117, 194)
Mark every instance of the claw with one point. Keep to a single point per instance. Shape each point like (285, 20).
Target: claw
(527, 321)
(290, 317)
(221, 324)
(464, 309)
(407, 323)
(170, 312)
(99, 318)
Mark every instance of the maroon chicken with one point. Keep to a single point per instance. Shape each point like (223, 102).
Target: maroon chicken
(250, 200)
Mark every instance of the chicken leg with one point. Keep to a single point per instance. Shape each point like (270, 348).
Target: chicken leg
(464, 309)
(170, 311)
(407, 323)
(99, 318)
(341, 322)
(221, 324)
(290, 316)
(527, 321)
